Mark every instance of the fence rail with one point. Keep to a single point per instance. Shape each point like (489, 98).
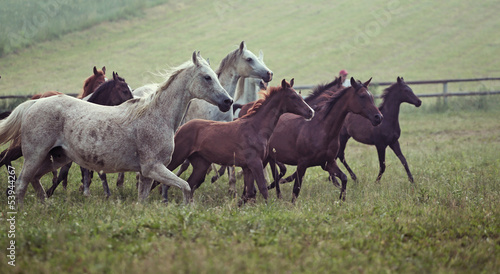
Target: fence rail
(444, 82)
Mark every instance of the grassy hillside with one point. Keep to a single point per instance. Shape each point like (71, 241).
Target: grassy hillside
(308, 40)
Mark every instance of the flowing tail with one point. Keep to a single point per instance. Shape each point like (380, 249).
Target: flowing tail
(10, 127)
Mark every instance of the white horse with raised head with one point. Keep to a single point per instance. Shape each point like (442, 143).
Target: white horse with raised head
(134, 136)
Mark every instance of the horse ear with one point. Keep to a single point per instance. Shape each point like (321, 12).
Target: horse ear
(284, 84)
(115, 76)
(195, 59)
(104, 69)
(367, 83)
(354, 84)
(208, 61)
(95, 70)
(261, 55)
(291, 82)
(242, 46)
(401, 81)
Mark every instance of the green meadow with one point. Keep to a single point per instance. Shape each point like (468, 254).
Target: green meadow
(448, 221)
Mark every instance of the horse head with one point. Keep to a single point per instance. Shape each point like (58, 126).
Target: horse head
(249, 65)
(293, 101)
(406, 93)
(362, 102)
(205, 85)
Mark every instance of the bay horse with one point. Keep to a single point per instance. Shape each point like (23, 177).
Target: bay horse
(242, 142)
(316, 143)
(94, 81)
(134, 136)
(110, 93)
(14, 152)
(383, 135)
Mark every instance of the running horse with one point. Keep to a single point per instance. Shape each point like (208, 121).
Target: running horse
(384, 135)
(134, 136)
(242, 142)
(316, 143)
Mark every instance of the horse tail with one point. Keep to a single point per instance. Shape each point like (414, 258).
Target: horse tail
(10, 127)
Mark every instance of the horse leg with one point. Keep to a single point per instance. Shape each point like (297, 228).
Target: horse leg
(86, 178)
(299, 174)
(343, 142)
(381, 161)
(143, 187)
(397, 150)
(121, 179)
(334, 170)
(218, 173)
(232, 180)
(249, 193)
(159, 172)
(63, 175)
(288, 179)
(183, 167)
(105, 186)
(276, 177)
(200, 167)
(258, 173)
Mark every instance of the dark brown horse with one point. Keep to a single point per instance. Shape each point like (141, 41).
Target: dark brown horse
(242, 142)
(387, 133)
(316, 143)
(110, 93)
(90, 85)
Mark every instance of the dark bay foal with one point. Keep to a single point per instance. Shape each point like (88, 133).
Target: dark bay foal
(316, 142)
(383, 135)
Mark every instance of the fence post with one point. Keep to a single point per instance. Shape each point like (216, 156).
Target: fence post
(445, 91)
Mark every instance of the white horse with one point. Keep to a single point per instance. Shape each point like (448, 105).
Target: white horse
(134, 136)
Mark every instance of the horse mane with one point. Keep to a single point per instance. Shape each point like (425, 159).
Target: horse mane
(140, 105)
(385, 94)
(256, 106)
(332, 100)
(320, 89)
(229, 59)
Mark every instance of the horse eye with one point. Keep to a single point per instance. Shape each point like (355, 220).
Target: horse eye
(249, 59)
(208, 78)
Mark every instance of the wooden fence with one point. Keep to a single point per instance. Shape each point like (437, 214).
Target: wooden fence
(444, 94)
(445, 82)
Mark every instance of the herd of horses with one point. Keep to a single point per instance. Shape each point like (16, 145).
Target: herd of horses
(188, 119)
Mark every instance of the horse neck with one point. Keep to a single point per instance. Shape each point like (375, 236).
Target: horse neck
(228, 78)
(172, 103)
(335, 119)
(267, 116)
(390, 110)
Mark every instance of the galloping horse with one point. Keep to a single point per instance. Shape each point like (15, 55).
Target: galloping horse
(383, 135)
(242, 142)
(110, 93)
(134, 136)
(315, 143)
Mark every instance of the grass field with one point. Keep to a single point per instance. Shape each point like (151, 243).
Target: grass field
(447, 222)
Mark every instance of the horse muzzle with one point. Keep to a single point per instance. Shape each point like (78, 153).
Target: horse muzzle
(377, 119)
(225, 105)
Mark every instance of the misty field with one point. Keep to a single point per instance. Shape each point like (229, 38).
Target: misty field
(448, 221)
